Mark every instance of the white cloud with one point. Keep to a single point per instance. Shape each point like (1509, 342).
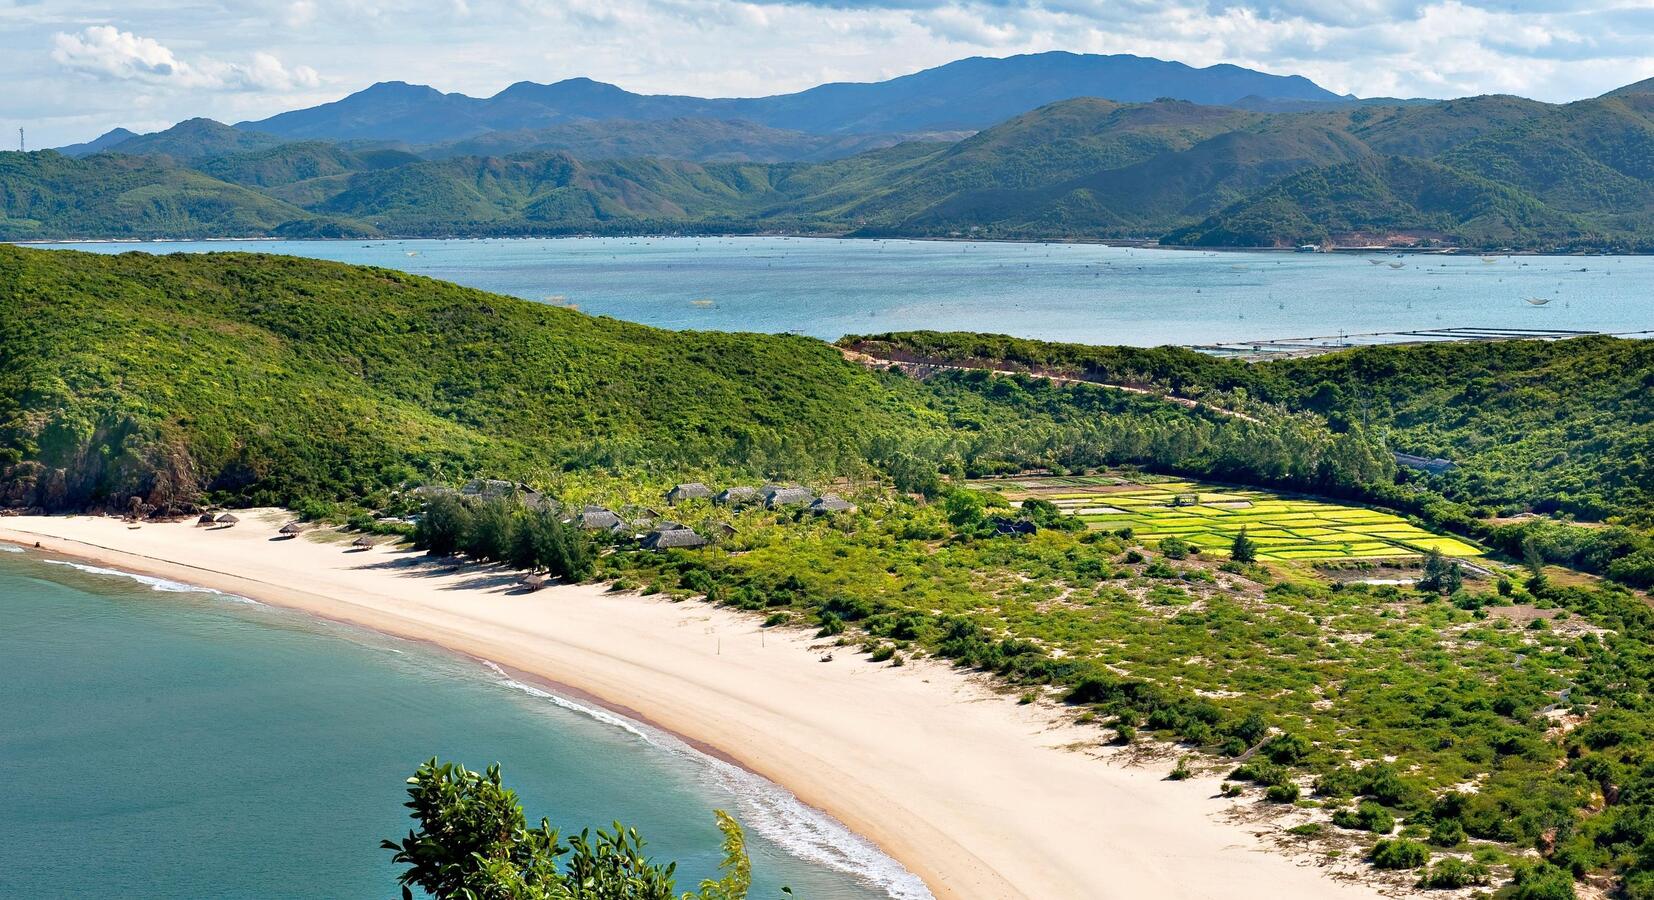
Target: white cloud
(107, 52)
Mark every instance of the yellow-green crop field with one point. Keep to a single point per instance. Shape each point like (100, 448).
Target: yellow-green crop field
(1209, 517)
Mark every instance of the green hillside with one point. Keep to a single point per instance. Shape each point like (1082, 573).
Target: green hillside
(47, 195)
(285, 164)
(265, 378)
(276, 377)
(1376, 197)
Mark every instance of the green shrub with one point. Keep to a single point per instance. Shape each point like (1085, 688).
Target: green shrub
(1451, 873)
(1366, 817)
(1447, 833)
(1542, 881)
(1399, 853)
(1282, 793)
(1308, 829)
(1181, 771)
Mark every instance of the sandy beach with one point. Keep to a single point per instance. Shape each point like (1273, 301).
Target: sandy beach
(978, 796)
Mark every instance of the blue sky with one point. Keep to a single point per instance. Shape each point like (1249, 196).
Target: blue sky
(73, 68)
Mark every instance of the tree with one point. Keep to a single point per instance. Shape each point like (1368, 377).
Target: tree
(1441, 574)
(493, 530)
(473, 843)
(542, 541)
(443, 528)
(1244, 549)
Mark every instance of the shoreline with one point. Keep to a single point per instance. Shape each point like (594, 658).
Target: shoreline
(1122, 243)
(975, 795)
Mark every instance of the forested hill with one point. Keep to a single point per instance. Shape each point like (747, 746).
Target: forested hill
(1487, 172)
(276, 379)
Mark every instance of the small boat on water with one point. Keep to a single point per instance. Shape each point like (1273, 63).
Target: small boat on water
(1397, 265)
(1490, 259)
(1537, 301)
(1376, 262)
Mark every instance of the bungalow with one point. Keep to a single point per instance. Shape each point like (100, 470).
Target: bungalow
(778, 496)
(488, 488)
(832, 503)
(693, 490)
(1434, 466)
(670, 535)
(1004, 526)
(596, 518)
(226, 519)
(736, 496)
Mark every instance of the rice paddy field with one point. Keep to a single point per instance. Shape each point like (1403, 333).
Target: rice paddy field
(1284, 528)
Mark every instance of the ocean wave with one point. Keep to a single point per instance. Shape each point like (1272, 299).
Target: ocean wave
(764, 806)
(10, 548)
(153, 583)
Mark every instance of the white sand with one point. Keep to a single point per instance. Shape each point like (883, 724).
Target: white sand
(972, 792)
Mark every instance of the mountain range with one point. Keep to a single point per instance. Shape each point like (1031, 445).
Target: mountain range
(961, 96)
(1306, 167)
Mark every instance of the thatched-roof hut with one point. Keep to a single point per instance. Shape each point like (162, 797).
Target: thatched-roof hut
(787, 496)
(207, 518)
(292, 528)
(832, 503)
(363, 543)
(692, 490)
(226, 519)
(667, 538)
(597, 518)
(736, 496)
(488, 488)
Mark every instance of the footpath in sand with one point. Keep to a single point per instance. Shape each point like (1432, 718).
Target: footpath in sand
(981, 798)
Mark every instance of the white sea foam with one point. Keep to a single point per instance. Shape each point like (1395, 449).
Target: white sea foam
(10, 548)
(154, 584)
(764, 806)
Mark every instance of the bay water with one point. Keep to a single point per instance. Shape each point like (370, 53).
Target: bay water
(1085, 293)
(158, 741)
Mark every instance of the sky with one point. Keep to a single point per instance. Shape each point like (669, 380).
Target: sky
(72, 69)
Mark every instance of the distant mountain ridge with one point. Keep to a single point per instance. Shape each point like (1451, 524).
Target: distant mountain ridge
(968, 94)
(1488, 172)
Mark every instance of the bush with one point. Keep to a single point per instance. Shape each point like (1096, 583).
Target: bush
(1181, 771)
(1542, 881)
(1286, 749)
(1308, 829)
(1175, 548)
(1124, 734)
(1282, 793)
(1452, 872)
(1447, 833)
(1366, 817)
(1262, 772)
(1399, 853)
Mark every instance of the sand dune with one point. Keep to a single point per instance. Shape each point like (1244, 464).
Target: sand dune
(980, 797)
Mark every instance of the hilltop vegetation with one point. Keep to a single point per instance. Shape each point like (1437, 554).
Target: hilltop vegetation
(1481, 172)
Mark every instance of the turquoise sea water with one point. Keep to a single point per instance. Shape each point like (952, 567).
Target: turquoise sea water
(177, 744)
(1085, 293)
